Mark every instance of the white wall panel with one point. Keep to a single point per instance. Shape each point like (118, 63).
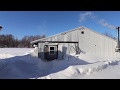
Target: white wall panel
(89, 42)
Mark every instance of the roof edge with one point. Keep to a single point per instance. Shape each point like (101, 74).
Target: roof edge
(82, 27)
(35, 41)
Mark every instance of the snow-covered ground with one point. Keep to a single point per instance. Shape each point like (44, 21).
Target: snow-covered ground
(22, 63)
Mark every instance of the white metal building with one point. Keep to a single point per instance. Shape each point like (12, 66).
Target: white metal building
(85, 39)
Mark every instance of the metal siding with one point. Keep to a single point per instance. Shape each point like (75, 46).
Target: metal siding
(87, 42)
(110, 46)
(80, 40)
(60, 49)
(113, 46)
(97, 45)
(72, 36)
(105, 47)
(102, 46)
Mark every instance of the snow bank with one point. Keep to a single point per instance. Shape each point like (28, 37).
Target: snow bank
(34, 52)
(16, 51)
(5, 55)
(75, 66)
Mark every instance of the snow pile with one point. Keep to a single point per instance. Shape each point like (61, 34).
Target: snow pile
(5, 55)
(16, 51)
(73, 65)
(34, 52)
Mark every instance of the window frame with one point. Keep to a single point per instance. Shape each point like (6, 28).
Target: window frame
(52, 50)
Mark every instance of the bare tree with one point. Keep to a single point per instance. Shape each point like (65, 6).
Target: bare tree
(109, 34)
(9, 40)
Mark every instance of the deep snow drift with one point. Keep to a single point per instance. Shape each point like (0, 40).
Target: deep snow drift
(22, 63)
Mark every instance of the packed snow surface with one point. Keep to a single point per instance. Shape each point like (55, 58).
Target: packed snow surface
(22, 63)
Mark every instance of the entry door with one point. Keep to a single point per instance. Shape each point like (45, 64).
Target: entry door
(51, 52)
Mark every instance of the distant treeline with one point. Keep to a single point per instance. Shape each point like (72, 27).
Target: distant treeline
(9, 41)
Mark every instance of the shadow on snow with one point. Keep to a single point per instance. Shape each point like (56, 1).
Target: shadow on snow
(24, 67)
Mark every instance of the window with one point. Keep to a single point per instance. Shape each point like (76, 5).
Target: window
(82, 32)
(52, 50)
